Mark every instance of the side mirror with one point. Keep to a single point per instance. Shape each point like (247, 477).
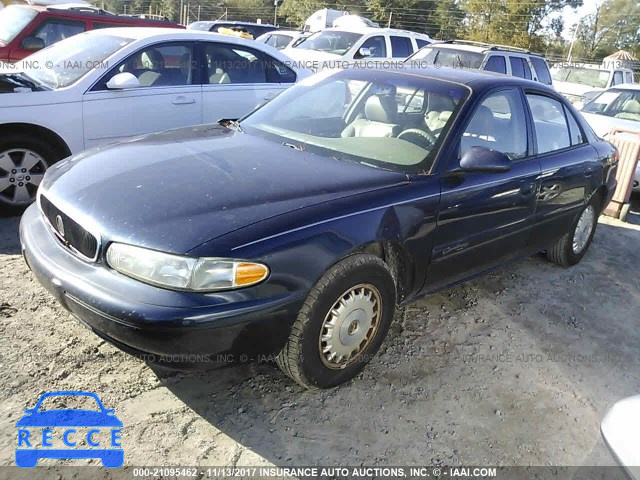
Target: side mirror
(32, 43)
(481, 159)
(620, 430)
(122, 81)
(364, 52)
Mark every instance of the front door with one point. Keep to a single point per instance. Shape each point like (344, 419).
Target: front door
(486, 218)
(168, 96)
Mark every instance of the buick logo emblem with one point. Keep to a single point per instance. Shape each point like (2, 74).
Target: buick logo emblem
(60, 225)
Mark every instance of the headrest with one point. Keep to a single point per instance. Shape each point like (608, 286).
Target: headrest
(382, 109)
(632, 106)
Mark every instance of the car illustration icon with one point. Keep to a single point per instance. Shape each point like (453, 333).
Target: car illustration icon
(102, 428)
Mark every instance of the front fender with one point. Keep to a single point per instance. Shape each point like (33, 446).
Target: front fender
(301, 245)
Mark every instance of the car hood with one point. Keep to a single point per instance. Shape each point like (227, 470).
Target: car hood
(568, 88)
(602, 124)
(69, 418)
(18, 83)
(175, 190)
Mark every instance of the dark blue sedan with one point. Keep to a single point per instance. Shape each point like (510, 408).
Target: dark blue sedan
(297, 231)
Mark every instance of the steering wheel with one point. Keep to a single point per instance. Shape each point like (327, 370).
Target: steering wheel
(418, 137)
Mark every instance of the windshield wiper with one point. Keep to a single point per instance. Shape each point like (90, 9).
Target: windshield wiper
(231, 123)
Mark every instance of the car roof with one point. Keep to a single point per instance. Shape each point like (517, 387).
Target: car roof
(364, 29)
(140, 33)
(480, 47)
(477, 80)
(626, 86)
(233, 22)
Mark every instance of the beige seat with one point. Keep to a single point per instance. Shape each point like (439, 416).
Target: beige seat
(219, 76)
(437, 120)
(631, 110)
(381, 114)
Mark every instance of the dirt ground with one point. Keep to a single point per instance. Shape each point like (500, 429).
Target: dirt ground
(515, 368)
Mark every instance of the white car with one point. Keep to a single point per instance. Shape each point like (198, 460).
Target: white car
(111, 84)
(617, 107)
(336, 47)
(281, 39)
(580, 83)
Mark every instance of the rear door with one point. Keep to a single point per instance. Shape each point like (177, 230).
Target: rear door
(564, 155)
(169, 95)
(486, 218)
(237, 79)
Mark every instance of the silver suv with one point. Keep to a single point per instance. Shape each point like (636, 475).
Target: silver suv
(484, 56)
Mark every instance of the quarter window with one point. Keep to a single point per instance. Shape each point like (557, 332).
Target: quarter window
(498, 123)
(53, 31)
(552, 131)
(496, 63)
(421, 43)
(574, 129)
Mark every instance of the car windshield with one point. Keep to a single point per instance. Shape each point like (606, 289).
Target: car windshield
(65, 62)
(380, 119)
(623, 104)
(448, 57)
(592, 77)
(13, 19)
(331, 41)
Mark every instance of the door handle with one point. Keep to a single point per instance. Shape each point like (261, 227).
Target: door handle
(183, 101)
(527, 188)
(588, 172)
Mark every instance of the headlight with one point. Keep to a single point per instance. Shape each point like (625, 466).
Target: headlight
(184, 273)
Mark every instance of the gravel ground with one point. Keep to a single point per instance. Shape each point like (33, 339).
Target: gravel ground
(515, 368)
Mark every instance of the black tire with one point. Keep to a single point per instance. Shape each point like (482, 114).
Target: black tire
(562, 252)
(302, 358)
(49, 155)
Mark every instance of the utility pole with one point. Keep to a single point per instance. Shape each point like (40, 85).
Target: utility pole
(390, 17)
(181, 12)
(275, 14)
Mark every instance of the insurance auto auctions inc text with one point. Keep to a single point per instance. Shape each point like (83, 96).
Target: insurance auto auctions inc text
(351, 472)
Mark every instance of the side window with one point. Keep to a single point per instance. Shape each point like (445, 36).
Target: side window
(628, 77)
(401, 47)
(498, 123)
(496, 63)
(377, 46)
(574, 129)
(617, 78)
(52, 31)
(235, 64)
(552, 131)
(163, 65)
(421, 43)
(542, 70)
(517, 67)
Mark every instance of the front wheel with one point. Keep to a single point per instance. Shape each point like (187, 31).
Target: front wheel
(342, 323)
(23, 162)
(570, 249)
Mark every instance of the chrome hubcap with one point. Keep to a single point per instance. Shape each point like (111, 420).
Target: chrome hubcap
(583, 229)
(350, 325)
(21, 171)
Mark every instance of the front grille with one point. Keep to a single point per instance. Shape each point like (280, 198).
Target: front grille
(68, 231)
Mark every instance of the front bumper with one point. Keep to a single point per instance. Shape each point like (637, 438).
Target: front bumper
(179, 327)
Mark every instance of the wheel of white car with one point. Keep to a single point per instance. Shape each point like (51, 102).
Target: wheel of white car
(342, 323)
(23, 162)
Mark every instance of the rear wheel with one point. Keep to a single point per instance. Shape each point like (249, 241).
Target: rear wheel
(342, 323)
(570, 249)
(23, 162)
